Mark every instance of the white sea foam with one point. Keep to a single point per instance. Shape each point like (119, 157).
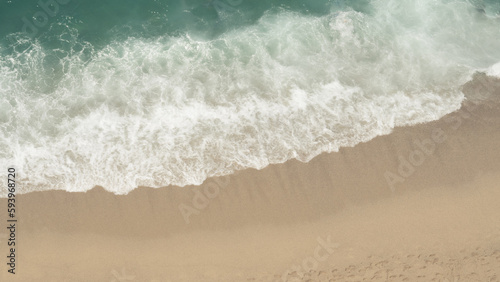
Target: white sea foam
(176, 110)
(494, 70)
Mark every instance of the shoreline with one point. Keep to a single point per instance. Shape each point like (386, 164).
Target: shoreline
(258, 224)
(329, 182)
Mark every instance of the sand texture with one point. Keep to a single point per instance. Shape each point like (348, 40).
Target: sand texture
(353, 215)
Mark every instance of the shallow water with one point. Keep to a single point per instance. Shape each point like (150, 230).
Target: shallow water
(153, 93)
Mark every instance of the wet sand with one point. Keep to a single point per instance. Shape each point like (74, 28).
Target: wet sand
(418, 204)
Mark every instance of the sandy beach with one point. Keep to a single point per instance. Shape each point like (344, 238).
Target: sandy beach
(238, 140)
(420, 204)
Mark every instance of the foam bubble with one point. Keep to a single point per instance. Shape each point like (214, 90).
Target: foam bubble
(494, 70)
(176, 110)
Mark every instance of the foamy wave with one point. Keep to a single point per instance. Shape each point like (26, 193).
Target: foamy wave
(176, 110)
(494, 70)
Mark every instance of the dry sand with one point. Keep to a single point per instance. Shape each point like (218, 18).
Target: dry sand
(335, 218)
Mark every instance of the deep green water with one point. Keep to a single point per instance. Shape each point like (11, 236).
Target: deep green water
(99, 21)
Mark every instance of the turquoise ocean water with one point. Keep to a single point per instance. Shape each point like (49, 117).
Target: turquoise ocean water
(123, 93)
